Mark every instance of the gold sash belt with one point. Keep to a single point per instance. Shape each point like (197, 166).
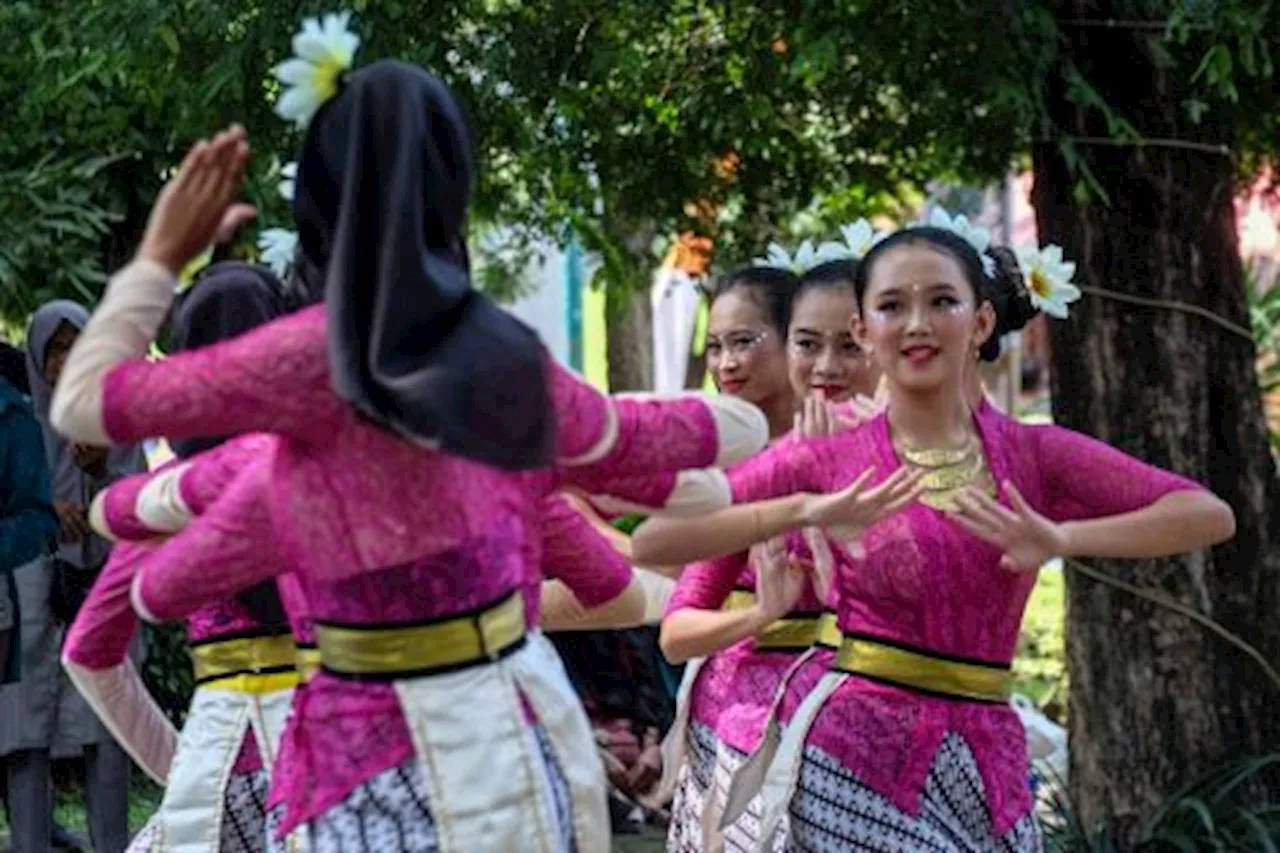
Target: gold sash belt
(829, 635)
(308, 660)
(924, 671)
(395, 652)
(246, 664)
(795, 631)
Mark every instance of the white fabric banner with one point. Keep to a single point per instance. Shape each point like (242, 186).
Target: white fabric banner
(675, 301)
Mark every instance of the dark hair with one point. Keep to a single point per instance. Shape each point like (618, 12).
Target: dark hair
(831, 275)
(1006, 289)
(1009, 297)
(771, 288)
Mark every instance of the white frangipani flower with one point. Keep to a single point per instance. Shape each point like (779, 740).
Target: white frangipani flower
(860, 237)
(323, 50)
(975, 235)
(806, 257)
(1048, 279)
(276, 247)
(775, 256)
(288, 175)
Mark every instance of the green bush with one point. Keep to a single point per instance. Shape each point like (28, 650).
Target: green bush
(1213, 813)
(1040, 666)
(167, 673)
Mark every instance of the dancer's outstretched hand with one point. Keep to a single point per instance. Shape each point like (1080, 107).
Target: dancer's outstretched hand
(1027, 538)
(196, 205)
(849, 512)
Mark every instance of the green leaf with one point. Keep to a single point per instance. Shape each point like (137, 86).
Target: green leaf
(170, 39)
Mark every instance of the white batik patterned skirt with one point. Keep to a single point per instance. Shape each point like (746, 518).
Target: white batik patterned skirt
(207, 807)
(831, 810)
(466, 791)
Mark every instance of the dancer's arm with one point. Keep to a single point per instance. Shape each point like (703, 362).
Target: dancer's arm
(694, 625)
(164, 501)
(676, 494)
(1096, 502)
(273, 379)
(598, 435)
(730, 530)
(95, 656)
(229, 548)
(769, 493)
(1113, 505)
(591, 584)
(778, 492)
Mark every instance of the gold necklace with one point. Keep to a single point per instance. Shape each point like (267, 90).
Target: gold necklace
(948, 472)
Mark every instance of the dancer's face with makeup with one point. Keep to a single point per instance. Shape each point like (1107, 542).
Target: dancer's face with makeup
(922, 318)
(744, 351)
(822, 355)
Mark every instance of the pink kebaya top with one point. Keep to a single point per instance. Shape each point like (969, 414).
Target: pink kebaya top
(926, 583)
(378, 530)
(736, 686)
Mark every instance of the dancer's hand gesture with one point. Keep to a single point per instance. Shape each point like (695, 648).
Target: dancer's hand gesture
(1027, 538)
(815, 417)
(819, 417)
(780, 580)
(850, 511)
(195, 208)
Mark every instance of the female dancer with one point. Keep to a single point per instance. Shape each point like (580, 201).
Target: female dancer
(750, 641)
(746, 346)
(1013, 309)
(244, 654)
(456, 725)
(909, 741)
(823, 360)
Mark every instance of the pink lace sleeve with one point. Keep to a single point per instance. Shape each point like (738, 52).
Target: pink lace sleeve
(1085, 478)
(210, 473)
(120, 506)
(272, 379)
(99, 636)
(583, 415)
(227, 549)
(597, 434)
(705, 585)
(628, 435)
(574, 553)
(787, 467)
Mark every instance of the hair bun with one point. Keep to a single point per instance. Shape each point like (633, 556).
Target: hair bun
(1010, 298)
(1014, 307)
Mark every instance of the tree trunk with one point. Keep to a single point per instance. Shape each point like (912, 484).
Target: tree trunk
(1156, 700)
(629, 326)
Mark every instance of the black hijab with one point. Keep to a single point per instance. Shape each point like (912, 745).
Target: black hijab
(384, 181)
(227, 300)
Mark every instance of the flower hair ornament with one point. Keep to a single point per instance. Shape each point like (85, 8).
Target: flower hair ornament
(806, 257)
(276, 246)
(975, 235)
(1048, 279)
(323, 51)
(859, 238)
